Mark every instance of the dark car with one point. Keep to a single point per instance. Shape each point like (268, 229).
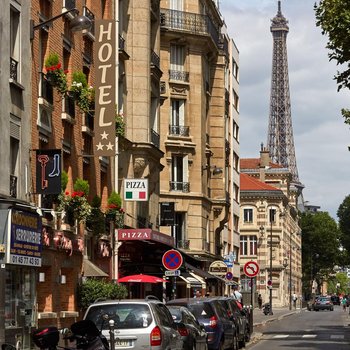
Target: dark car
(335, 300)
(193, 333)
(221, 332)
(238, 317)
(323, 303)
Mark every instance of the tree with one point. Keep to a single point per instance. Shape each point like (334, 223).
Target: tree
(320, 242)
(343, 214)
(338, 284)
(333, 16)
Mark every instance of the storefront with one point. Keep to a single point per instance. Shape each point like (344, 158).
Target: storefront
(20, 257)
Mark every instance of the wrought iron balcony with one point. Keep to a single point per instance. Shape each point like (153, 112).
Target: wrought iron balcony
(183, 244)
(90, 15)
(13, 186)
(180, 186)
(179, 75)
(179, 130)
(13, 69)
(192, 23)
(46, 89)
(155, 59)
(155, 138)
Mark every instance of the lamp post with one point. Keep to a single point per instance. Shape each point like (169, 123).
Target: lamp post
(272, 219)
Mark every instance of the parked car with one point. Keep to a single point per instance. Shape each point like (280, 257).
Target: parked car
(335, 300)
(193, 333)
(139, 323)
(221, 332)
(323, 303)
(310, 304)
(238, 317)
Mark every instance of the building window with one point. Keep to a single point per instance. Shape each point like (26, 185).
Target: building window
(179, 174)
(179, 229)
(272, 215)
(243, 245)
(177, 123)
(248, 245)
(248, 215)
(15, 44)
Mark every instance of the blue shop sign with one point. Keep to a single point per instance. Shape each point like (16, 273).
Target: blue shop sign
(24, 242)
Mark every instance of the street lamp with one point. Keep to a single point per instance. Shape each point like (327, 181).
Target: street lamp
(78, 23)
(272, 220)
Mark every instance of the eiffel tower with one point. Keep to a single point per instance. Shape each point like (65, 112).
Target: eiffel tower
(280, 139)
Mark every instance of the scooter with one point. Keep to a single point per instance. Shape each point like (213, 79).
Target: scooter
(85, 334)
(266, 309)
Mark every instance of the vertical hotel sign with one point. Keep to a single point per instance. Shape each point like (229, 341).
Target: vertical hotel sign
(105, 100)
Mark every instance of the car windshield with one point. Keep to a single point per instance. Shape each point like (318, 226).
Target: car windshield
(175, 313)
(125, 316)
(323, 300)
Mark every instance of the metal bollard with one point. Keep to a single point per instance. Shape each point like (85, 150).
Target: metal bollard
(111, 335)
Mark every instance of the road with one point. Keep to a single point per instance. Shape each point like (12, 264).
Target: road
(307, 330)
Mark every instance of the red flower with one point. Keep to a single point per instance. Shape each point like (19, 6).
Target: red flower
(113, 206)
(58, 66)
(66, 193)
(66, 71)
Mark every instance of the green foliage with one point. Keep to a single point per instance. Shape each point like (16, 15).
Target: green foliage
(83, 94)
(93, 289)
(333, 16)
(338, 284)
(81, 185)
(55, 73)
(114, 198)
(64, 180)
(119, 124)
(96, 202)
(343, 214)
(320, 242)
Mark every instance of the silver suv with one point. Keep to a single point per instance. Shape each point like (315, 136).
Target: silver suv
(139, 324)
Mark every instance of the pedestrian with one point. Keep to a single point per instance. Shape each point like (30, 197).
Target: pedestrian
(294, 298)
(197, 294)
(236, 293)
(260, 301)
(344, 303)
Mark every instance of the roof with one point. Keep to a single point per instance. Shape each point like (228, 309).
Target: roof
(254, 163)
(248, 183)
(91, 270)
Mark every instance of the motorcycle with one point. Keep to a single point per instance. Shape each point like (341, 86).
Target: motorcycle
(85, 334)
(266, 309)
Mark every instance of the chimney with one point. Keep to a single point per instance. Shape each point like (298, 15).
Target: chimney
(264, 162)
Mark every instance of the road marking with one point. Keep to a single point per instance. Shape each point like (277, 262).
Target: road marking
(281, 336)
(337, 336)
(309, 336)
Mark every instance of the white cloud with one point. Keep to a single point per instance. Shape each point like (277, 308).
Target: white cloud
(321, 138)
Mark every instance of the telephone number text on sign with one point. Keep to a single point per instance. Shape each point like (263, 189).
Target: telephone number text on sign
(25, 260)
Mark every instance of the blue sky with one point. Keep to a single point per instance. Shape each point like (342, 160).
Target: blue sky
(321, 138)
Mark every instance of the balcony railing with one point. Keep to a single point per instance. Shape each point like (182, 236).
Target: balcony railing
(13, 186)
(183, 244)
(69, 106)
(155, 59)
(46, 89)
(193, 23)
(179, 75)
(179, 130)
(179, 186)
(155, 138)
(90, 15)
(13, 69)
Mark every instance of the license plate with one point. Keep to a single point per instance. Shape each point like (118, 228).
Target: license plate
(120, 343)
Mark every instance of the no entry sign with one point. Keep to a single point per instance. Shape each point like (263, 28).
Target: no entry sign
(251, 268)
(172, 259)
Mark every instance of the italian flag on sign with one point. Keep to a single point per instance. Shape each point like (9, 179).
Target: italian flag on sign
(136, 189)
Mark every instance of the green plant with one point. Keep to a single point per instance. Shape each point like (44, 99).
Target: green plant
(84, 95)
(92, 289)
(55, 73)
(115, 212)
(64, 180)
(119, 124)
(96, 220)
(114, 198)
(81, 185)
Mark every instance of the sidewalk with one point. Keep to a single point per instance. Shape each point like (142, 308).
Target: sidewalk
(259, 319)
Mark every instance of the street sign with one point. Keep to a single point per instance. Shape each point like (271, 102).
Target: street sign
(172, 259)
(251, 268)
(218, 268)
(173, 273)
(229, 275)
